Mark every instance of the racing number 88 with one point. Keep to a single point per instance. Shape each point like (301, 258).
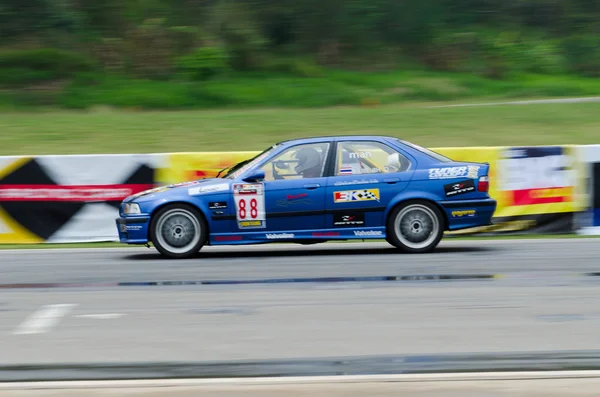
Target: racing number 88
(253, 209)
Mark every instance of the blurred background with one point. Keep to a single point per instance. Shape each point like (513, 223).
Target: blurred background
(177, 54)
(164, 91)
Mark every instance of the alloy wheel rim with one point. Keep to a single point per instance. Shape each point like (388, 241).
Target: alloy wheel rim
(178, 230)
(417, 226)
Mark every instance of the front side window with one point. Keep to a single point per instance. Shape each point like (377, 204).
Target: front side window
(368, 157)
(297, 162)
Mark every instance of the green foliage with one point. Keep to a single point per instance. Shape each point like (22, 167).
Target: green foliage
(149, 50)
(294, 66)
(62, 63)
(306, 44)
(22, 67)
(204, 63)
(583, 54)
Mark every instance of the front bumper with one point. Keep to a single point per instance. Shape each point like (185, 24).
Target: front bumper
(133, 229)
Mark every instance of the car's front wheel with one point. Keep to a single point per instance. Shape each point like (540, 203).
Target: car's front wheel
(178, 231)
(415, 227)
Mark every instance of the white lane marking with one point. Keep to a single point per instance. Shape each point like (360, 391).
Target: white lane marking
(435, 377)
(42, 320)
(106, 316)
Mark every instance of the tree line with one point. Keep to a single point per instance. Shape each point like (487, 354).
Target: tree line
(201, 38)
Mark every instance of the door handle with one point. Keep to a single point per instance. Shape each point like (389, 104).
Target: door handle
(312, 185)
(391, 180)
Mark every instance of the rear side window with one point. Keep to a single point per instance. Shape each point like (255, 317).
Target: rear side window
(430, 153)
(368, 157)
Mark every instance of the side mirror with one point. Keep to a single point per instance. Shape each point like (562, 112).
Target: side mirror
(255, 176)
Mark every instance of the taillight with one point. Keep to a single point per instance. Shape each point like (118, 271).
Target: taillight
(484, 184)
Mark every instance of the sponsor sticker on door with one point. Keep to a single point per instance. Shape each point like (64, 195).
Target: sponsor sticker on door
(341, 220)
(348, 196)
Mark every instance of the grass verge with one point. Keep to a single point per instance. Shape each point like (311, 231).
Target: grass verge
(112, 131)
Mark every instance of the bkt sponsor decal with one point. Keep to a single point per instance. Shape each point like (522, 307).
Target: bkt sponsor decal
(368, 233)
(272, 236)
(356, 195)
(463, 213)
(470, 171)
(462, 187)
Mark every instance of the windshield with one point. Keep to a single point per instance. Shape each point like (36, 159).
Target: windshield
(243, 166)
(428, 152)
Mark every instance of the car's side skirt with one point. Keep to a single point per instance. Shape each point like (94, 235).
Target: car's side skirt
(257, 237)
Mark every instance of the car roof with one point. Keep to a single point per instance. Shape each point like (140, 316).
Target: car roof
(331, 137)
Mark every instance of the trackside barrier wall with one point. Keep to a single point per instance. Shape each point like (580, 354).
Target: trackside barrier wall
(589, 219)
(75, 198)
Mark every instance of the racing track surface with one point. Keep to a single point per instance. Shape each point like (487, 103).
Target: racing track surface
(543, 302)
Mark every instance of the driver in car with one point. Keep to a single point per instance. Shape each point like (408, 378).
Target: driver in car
(309, 163)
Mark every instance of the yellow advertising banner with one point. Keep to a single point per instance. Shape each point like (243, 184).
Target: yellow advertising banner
(528, 180)
(186, 166)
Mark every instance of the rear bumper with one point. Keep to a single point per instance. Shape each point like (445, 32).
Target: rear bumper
(133, 230)
(463, 214)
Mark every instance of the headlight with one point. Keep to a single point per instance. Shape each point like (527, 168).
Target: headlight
(131, 208)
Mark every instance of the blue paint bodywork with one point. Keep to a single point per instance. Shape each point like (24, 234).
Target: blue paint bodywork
(303, 210)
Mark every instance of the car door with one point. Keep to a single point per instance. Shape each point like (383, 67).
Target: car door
(367, 174)
(295, 201)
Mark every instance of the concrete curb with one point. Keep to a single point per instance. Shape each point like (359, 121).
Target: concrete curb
(302, 380)
(318, 367)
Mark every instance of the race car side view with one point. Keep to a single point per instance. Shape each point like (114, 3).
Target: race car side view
(314, 190)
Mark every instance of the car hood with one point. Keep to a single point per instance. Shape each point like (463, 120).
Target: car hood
(201, 186)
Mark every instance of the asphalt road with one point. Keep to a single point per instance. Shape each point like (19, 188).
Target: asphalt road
(543, 302)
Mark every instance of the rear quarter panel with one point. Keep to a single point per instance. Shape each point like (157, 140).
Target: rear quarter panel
(453, 187)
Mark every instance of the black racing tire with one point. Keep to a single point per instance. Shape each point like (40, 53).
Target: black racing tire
(171, 231)
(416, 226)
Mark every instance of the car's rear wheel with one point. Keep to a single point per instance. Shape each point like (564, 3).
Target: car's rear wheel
(178, 231)
(415, 227)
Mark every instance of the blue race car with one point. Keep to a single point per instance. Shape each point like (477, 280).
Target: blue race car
(312, 190)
